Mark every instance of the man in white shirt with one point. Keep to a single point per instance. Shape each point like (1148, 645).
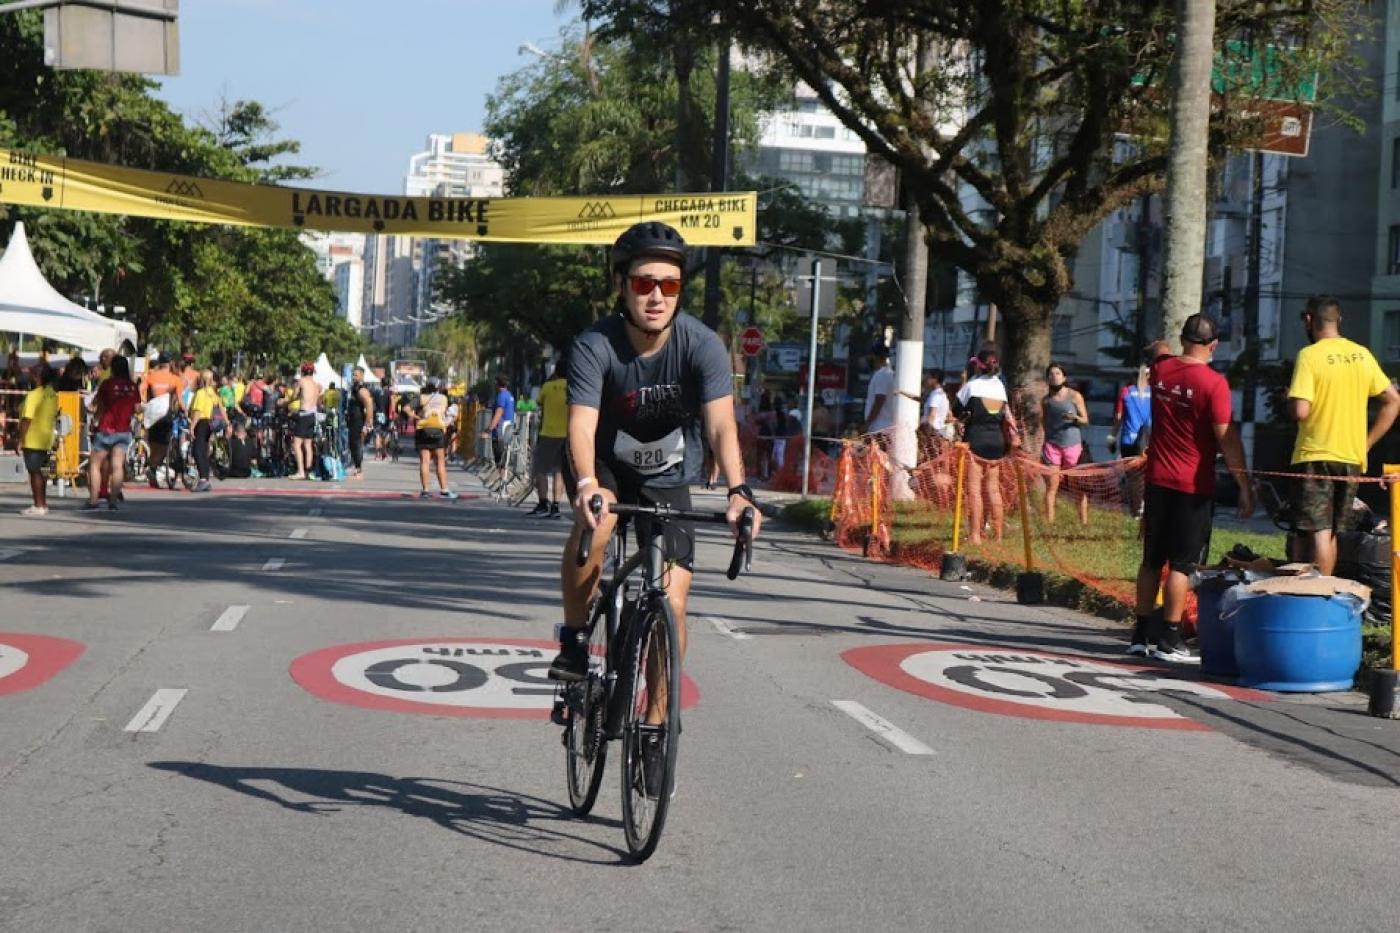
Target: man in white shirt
(936, 407)
(879, 396)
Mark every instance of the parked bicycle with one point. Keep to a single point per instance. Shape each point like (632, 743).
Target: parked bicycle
(635, 667)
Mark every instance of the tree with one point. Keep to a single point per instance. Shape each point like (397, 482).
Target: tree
(220, 290)
(1187, 161)
(1026, 113)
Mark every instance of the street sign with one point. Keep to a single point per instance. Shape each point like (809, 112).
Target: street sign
(785, 357)
(829, 376)
(1286, 126)
(498, 678)
(139, 36)
(1039, 684)
(751, 342)
(26, 661)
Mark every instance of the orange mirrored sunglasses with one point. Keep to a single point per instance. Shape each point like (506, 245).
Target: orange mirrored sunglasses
(643, 285)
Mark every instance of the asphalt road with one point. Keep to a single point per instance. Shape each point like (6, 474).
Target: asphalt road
(219, 758)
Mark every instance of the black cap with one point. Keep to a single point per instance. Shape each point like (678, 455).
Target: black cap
(1199, 329)
(163, 359)
(878, 348)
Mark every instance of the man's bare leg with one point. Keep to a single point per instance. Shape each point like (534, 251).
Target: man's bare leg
(1324, 544)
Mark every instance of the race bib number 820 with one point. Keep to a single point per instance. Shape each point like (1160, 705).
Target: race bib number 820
(650, 457)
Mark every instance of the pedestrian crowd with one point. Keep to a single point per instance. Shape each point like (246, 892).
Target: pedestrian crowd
(178, 424)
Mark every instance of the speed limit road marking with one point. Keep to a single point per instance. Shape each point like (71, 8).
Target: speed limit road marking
(476, 677)
(26, 661)
(1040, 685)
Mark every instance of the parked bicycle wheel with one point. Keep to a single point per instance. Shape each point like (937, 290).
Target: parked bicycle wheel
(138, 456)
(585, 744)
(649, 751)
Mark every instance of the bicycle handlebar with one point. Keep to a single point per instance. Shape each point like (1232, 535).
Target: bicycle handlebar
(743, 545)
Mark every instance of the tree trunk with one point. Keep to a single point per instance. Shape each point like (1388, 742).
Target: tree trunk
(683, 63)
(1027, 329)
(1186, 165)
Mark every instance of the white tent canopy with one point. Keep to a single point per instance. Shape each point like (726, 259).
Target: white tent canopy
(325, 373)
(30, 305)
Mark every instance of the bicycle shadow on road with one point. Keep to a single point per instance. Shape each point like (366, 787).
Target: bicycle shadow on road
(488, 814)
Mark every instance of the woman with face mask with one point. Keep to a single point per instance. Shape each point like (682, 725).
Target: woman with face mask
(1063, 413)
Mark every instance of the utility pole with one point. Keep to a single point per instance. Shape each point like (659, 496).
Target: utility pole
(1187, 158)
(1144, 251)
(1251, 288)
(719, 180)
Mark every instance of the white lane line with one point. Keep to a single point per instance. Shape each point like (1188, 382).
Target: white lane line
(273, 563)
(724, 627)
(229, 620)
(883, 728)
(314, 512)
(7, 553)
(298, 534)
(156, 711)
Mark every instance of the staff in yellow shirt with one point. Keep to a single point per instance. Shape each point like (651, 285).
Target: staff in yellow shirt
(549, 446)
(1332, 381)
(37, 418)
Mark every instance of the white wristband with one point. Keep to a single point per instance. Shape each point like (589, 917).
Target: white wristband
(583, 481)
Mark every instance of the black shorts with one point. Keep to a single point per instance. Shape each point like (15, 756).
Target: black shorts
(159, 433)
(429, 439)
(1175, 528)
(680, 536)
(35, 460)
(306, 425)
(549, 455)
(1322, 497)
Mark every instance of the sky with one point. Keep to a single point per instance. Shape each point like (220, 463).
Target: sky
(361, 83)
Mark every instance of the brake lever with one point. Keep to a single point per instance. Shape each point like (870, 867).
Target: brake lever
(743, 547)
(585, 540)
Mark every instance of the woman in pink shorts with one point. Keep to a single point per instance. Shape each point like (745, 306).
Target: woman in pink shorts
(1062, 412)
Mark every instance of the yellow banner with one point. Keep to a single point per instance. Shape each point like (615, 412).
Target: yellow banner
(74, 185)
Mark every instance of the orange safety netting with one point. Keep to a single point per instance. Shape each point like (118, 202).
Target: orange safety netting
(1004, 514)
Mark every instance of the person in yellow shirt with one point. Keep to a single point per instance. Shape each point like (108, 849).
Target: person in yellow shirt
(549, 447)
(37, 418)
(204, 405)
(1332, 381)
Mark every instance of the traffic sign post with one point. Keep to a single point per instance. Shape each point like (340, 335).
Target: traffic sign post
(751, 341)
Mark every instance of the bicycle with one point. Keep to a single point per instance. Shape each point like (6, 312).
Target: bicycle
(633, 649)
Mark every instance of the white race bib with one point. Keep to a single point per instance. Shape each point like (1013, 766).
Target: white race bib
(650, 457)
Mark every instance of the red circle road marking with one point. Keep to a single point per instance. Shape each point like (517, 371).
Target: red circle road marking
(892, 664)
(317, 674)
(44, 656)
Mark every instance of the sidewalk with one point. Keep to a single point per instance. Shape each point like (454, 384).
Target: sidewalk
(1330, 733)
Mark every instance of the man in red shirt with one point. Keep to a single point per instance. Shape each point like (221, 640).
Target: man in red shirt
(1190, 425)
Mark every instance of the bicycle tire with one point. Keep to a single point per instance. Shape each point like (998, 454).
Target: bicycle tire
(644, 809)
(585, 744)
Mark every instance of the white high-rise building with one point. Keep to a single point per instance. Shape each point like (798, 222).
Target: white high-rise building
(399, 271)
(349, 279)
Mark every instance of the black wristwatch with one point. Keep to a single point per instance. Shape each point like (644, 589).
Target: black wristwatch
(743, 490)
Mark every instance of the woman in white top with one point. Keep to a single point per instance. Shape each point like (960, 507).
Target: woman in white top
(987, 426)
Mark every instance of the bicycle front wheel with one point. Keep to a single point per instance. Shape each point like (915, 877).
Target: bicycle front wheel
(651, 732)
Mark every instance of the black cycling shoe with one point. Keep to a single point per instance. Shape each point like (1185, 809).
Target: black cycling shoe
(571, 664)
(653, 761)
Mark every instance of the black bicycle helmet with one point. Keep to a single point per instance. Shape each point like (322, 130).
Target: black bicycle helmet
(650, 238)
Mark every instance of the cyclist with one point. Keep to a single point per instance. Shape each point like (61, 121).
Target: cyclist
(642, 384)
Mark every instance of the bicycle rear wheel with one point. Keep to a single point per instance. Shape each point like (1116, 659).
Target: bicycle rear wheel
(585, 745)
(654, 664)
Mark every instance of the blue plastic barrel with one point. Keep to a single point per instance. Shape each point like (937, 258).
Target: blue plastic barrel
(1215, 635)
(1297, 644)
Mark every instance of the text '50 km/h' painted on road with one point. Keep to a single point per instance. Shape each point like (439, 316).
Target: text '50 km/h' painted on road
(75, 185)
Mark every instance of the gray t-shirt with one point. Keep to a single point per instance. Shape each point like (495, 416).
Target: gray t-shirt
(649, 408)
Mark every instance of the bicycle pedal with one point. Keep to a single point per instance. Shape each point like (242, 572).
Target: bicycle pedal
(559, 714)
